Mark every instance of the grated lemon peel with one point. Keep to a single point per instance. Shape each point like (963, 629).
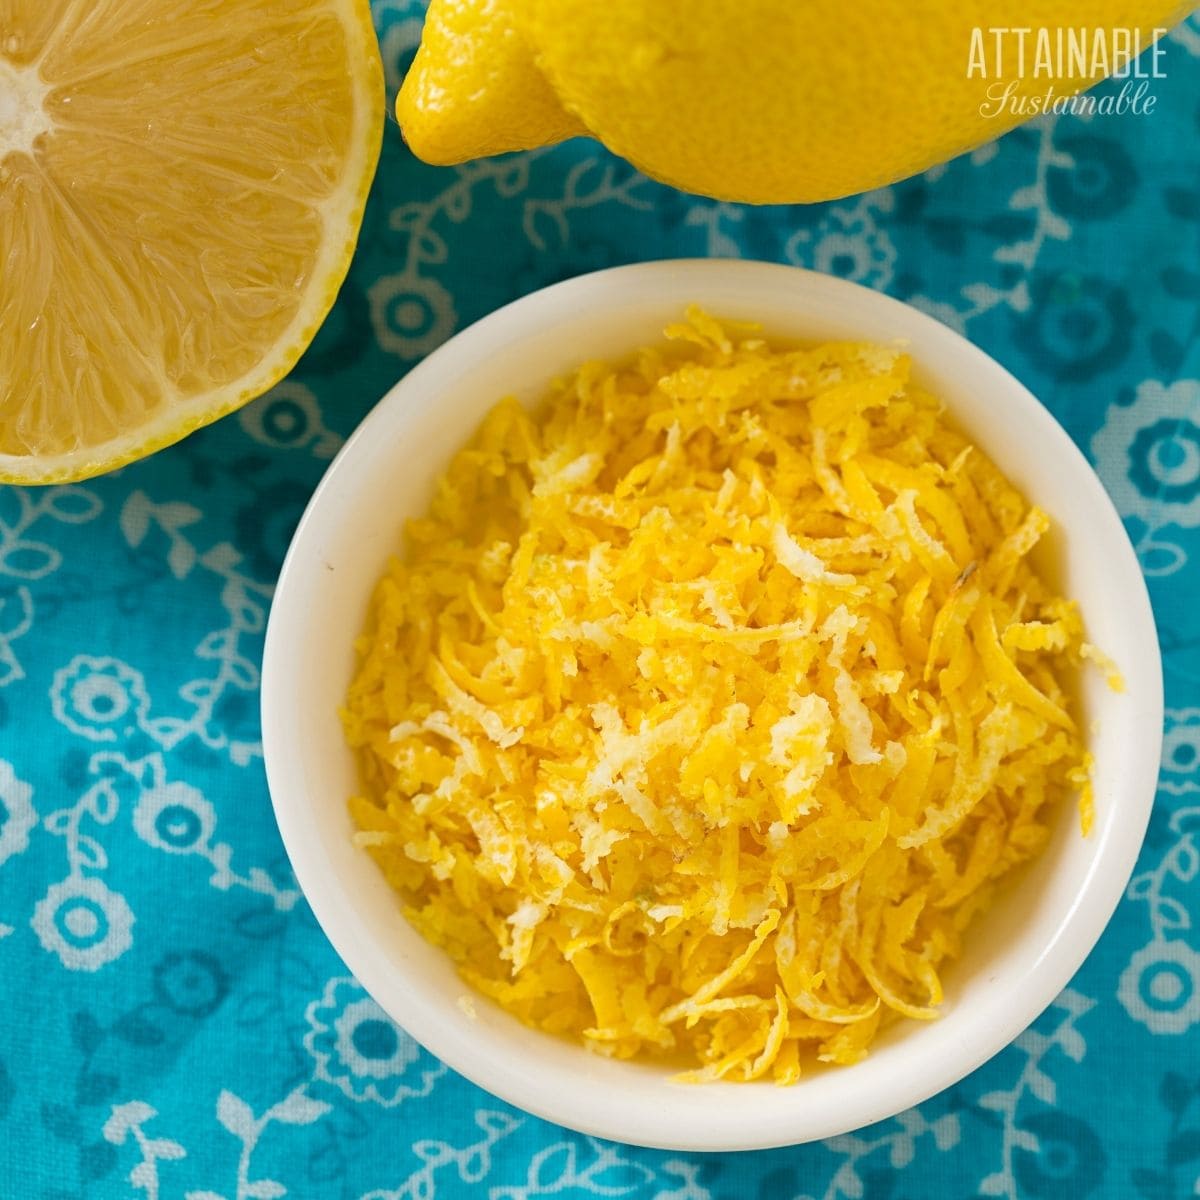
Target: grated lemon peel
(711, 701)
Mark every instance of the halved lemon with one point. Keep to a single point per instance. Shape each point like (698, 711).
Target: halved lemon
(181, 187)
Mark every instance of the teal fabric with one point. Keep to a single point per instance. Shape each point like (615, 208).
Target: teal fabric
(173, 1022)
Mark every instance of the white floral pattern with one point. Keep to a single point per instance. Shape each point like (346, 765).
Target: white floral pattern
(1181, 752)
(411, 315)
(101, 699)
(17, 817)
(1161, 987)
(361, 1051)
(1148, 454)
(289, 417)
(849, 242)
(174, 817)
(84, 922)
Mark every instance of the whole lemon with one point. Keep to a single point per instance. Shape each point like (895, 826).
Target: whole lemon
(763, 101)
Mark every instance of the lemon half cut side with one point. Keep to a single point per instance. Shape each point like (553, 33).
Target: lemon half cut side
(181, 187)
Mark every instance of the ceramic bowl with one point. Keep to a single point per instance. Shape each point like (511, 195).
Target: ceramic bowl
(1019, 956)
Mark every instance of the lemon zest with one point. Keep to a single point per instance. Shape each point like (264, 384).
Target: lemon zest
(712, 700)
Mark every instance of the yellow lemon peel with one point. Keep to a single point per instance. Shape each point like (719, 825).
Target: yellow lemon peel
(711, 701)
(755, 101)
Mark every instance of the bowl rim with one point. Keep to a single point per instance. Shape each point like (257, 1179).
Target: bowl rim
(1076, 933)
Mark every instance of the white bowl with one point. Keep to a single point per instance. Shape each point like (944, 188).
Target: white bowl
(1019, 956)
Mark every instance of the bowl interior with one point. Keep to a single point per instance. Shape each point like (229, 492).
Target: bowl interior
(1019, 956)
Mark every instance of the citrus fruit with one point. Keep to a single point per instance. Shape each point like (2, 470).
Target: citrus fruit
(752, 100)
(474, 90)
(181, 187)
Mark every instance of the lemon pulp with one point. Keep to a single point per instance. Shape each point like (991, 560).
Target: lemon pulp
(180, 190)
